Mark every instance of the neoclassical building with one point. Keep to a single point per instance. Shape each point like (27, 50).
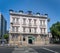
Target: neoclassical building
(27, 28)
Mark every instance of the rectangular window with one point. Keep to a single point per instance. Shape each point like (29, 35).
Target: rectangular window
(41, 30)
(13, 20)
(16, 37)
(43, 22)
(34, 21)
(40, 22)
(12, 37)
(17, 28)
(44, 30)
(13, 29)
(24, 29)
(17, 20)
(34, 30)
(29, 22)
(24, 21)
(30, 30)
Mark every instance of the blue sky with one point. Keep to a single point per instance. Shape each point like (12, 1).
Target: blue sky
(51, 7)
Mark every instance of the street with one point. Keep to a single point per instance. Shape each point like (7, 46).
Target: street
(31, 49)
(47, 49)
(6, 50)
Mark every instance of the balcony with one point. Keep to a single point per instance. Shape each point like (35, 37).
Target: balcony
(15, 32)
(15, 23)
(30, 24)
(42, 26)
(35, 25)
(43, 32)
(24, 24)
(29, 33)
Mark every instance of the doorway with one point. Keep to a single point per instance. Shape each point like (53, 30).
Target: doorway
(30, 41)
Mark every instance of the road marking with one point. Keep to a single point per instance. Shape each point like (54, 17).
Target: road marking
(30, 50)
(50, 50)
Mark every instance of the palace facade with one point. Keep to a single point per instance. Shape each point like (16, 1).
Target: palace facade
(27, 28)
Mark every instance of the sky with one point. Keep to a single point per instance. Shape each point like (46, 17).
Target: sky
(50, 7)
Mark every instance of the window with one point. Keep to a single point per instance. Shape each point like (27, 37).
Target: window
(24, 21)
(43, 22)
(34, 21)
(17, 20)
(44, 30)
(24, 29)
(29, 21)
(13, 20)
(17, 28)
(40, 22)
(12, 37)
(29, 29)
(41, 30)
(13, 29)
(34, 30)
(16, 37)
(23, 38)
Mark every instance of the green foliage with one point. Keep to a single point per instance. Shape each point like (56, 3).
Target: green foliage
(55, 30)
(6, 36)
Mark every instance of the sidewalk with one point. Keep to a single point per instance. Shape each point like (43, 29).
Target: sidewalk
(46, 45)
(21, 46)
(53, 45)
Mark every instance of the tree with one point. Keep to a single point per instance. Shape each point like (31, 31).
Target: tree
(6, 36)
(55, 30)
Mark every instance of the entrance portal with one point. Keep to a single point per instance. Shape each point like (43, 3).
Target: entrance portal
(30, 41)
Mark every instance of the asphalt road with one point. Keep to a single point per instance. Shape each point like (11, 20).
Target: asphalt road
(38, 49)
(47, 49)
(6, 50)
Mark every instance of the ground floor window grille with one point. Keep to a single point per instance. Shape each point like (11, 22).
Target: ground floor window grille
(14, 37)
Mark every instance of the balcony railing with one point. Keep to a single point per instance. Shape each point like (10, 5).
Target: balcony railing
(29, 33)
(15, 23)
(42, 26)
(14, 32)
(43, 32)
(29, 25)
(35, 25)
(24, 24)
